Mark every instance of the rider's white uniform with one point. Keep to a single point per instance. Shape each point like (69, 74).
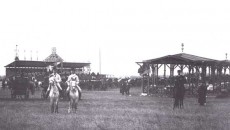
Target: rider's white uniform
(57, 78)
(73, 77)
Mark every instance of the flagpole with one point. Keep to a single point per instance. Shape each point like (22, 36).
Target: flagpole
(100, 60)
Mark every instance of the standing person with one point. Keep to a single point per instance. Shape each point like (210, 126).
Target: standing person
(179, 90)
(3, 84)
(202, 91)
(73, 77)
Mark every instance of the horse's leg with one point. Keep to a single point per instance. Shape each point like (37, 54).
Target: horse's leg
(69, 108)
(51, 105)
(57, 105)
(79, 95)
(179, 102)
(176, 102)
(70, 105)
(182, 102)
(76, 103)
(74, 106)
(174, 105)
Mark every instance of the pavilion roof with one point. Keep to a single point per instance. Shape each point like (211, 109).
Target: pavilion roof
(182, 58)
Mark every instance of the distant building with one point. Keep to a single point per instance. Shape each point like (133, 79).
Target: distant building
(25, 66)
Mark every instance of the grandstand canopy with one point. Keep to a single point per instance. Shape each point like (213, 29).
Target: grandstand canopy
(182, 58)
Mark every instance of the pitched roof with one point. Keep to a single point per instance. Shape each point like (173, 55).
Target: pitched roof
(23, 63)
(181, 58)
(53, 58)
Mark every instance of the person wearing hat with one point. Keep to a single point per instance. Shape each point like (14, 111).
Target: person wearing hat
(179, 90)
(73, 77)
(56, 77)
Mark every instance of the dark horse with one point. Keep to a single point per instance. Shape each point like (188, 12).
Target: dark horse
(124, 87)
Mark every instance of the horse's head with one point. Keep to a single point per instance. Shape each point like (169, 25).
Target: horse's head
(73, 83)
(51, 81)
(73, 89)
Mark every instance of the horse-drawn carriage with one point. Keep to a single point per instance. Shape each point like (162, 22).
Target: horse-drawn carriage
(19, 86)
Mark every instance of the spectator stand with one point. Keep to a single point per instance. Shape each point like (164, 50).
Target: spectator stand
(195, 68)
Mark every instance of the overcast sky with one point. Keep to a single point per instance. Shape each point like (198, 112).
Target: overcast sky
(125, 31)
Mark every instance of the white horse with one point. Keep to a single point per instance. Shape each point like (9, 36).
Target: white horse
(74, 96)
(54, 95)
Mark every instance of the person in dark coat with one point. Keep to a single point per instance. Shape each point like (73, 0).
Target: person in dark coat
(202, 91)
(179, 90)
(3, 84)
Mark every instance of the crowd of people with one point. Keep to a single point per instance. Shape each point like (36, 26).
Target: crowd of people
(94, 81)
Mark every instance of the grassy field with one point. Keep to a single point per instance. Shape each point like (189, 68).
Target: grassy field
(110, 110)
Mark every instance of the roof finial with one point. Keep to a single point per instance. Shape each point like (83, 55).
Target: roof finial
(31, 55)
(16, 50)
(182, 47)
(37, 55)
(54, 50)
(16, 53)
(226, 56)
(24, 54)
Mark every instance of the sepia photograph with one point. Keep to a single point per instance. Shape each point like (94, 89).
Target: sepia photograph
(114, 65)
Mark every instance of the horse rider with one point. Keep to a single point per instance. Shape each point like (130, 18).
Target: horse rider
(73, 77)
(56, 78)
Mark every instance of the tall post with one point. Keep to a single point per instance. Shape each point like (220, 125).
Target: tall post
(154, 74)
(209, 71)
(157, 74)
(189, 74)
(142, 83)
(164, 70)
(203, 73)
(182, 68)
